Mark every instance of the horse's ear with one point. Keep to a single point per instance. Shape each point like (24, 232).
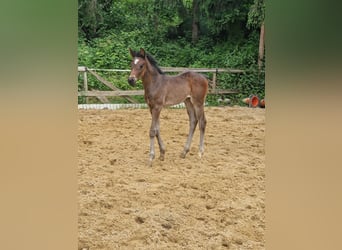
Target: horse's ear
(142, 52)
(131, 52)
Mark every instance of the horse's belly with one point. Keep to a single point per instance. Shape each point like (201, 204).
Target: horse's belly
(175, 99)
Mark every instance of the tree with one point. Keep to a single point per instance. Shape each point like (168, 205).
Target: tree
(226, 19)
(195, 20)
(256, 17)
(93, 16)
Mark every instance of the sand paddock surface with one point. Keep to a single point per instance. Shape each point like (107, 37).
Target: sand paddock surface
(217, 202)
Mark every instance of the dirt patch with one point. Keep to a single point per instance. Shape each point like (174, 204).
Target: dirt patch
(217, 202)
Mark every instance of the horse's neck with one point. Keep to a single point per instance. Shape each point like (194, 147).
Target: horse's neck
(151, 78)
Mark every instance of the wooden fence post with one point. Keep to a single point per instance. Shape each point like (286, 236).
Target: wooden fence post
(85, 83)
(83, 69)
(214, 80)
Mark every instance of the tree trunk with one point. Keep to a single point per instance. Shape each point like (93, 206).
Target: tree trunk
(195, 20)
(156, 22)
(261, 45)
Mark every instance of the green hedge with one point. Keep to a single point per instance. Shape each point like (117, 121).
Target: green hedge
(111, 52)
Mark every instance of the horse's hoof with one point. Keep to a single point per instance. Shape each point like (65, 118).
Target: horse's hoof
(183, 154)
(161, 157)
(150, 160)
(200, 154)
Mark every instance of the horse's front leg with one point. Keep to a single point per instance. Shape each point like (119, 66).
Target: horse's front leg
(155, 131)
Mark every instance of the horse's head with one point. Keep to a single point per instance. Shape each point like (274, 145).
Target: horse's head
(138, 66)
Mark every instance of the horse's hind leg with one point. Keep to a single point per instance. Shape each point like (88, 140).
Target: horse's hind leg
(160, 142)
(202, 122)
(192, 125)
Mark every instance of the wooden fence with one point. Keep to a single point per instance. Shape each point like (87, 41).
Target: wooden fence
(102, 95)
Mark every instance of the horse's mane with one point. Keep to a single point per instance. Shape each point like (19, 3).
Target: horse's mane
(150, 58)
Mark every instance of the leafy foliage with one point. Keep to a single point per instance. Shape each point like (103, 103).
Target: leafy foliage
(256, 14)
(228, 38)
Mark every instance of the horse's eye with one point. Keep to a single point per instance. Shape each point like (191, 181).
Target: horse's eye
(141, 66)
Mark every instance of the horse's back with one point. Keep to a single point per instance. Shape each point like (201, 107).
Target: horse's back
(195, 76)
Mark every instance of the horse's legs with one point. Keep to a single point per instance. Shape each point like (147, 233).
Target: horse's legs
(192, 125)
(202, 122)
(160, 142)
(154, 131)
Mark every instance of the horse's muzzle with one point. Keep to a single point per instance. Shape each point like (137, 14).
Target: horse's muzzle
(132, 81)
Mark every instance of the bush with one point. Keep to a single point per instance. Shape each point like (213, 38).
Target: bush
(111, 52)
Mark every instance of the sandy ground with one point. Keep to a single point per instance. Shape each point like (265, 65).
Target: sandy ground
(217, 202)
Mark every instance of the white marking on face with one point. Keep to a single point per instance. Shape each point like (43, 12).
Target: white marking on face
(136, 60)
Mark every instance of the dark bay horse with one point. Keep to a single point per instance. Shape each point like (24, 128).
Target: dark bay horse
(163, 90)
